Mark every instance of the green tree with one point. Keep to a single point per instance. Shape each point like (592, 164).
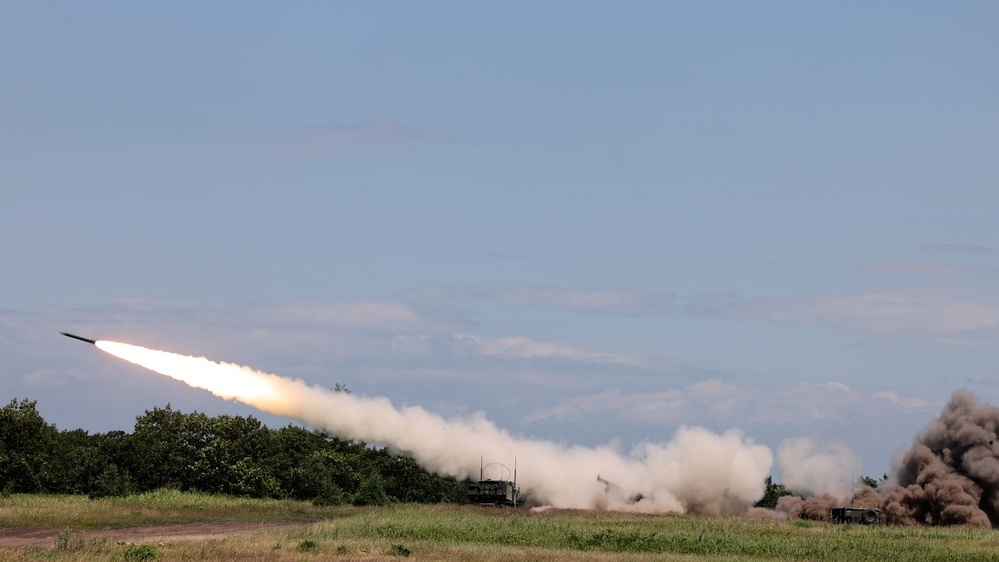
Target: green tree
(407, 481)
(372, 492)
(26, 442)
(773, 493)
(233, 458)
(163, 448)
(291, 447)
(111, 482)
(75, 462)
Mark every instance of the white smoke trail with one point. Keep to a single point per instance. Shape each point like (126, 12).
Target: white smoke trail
(697, 471)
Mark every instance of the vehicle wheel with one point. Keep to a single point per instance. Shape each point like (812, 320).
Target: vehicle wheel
(870, 517)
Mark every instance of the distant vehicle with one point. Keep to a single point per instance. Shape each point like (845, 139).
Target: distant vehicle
(504, 493)
(618, 492)
(851, 514)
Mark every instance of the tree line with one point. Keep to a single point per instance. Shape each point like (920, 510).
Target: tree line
(223, 454)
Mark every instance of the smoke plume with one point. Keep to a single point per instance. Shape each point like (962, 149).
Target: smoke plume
(807, 467)
(698, 471)
(950, 475)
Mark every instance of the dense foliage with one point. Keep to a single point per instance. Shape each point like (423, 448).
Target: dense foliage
(773, 493)
(193, 452)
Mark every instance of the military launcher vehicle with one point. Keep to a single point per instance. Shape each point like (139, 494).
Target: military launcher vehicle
(503, 493)
(851, 514)
(619, 493)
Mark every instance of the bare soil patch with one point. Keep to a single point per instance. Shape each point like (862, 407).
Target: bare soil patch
(22, 537)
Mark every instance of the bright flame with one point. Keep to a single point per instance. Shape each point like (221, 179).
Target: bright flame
(697, 471)
(227, 380)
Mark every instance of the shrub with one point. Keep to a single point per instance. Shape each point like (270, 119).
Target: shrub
(399, 550)
(372, 492)
(140, 552)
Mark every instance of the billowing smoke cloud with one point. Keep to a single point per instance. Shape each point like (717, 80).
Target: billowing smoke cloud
(698, 471)
(950, 475)
(806, 467)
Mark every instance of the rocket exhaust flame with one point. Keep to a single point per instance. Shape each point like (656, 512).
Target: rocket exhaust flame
(697, 471)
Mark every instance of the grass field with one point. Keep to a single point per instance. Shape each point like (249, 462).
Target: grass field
(442, 532)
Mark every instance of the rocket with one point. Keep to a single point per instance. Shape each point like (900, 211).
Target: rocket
(81, 338)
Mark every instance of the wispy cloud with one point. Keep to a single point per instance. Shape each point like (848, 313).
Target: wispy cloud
(928, 269)
(991, 379)
(959, 316)
(720, 404)
(645, 406)
(617, 301)
(819, 401)
(314, 314)
(916, 311)
(52, 377)
(526, 348)
(358, 138)
(905, 402)
(967, 249)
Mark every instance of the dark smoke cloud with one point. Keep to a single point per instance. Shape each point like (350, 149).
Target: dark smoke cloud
(950, 475)
(818, 507)
(814, 507)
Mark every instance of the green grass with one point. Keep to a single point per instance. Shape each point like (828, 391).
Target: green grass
(442, 532)
(714, 538)
(161, 507)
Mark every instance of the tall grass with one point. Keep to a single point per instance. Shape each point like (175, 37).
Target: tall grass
(442, 532)
(734, 538)
(160, 507)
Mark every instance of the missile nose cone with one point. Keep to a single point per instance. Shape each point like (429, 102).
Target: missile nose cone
(81, 338)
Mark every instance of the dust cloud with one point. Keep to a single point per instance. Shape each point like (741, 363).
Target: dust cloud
(949, 476)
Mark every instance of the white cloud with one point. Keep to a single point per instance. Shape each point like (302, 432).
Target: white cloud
(949, 315)
(724, 404)
(821, 401)
(990, 379)
(641, 407)
(364, 315)
(52, 377)
(619, 301)
(559, 412)
(664, 406)
(713, 388)
(317, 315)
(526, 348)
(926, 311)
(906, 402)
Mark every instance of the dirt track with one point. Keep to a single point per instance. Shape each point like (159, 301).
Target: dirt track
(21, 537)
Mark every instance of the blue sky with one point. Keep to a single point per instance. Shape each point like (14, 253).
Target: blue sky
(593, 221)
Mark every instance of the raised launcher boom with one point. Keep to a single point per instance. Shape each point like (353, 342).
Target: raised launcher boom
(503, 493)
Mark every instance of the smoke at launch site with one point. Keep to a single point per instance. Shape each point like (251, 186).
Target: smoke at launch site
(697, 471)
(950, 475)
